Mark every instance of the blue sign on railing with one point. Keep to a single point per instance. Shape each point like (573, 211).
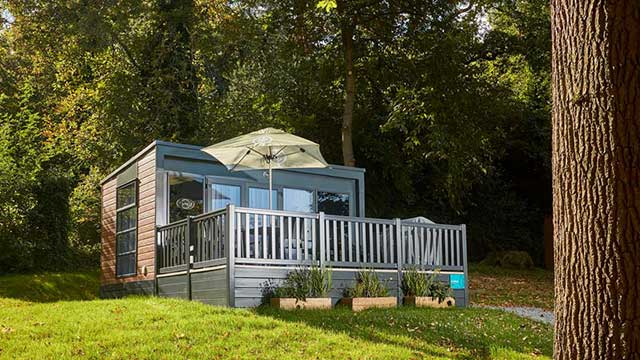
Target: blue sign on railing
(456, 281)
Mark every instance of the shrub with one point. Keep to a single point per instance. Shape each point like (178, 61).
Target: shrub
(368, 284)
(417, 284)
(300, 283)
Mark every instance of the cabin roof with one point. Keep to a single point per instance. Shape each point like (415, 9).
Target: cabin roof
(155, 143)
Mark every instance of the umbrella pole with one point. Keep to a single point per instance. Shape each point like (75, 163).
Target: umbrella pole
(270, 187)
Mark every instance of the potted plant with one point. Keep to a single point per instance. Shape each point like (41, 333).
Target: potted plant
(424, 290)
(369, 292)
(303, 289)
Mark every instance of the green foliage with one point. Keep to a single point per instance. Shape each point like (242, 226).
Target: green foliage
(451, 117)
(368, 284)
(415, 283)
(300, 283)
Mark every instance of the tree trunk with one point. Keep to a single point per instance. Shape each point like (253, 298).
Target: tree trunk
(347, 29)
(596, 178)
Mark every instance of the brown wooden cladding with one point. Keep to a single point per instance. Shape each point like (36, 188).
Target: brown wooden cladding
(145, 229)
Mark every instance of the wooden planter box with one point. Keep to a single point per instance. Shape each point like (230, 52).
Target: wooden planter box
(427, 301)
(293, 303)
(363, 303)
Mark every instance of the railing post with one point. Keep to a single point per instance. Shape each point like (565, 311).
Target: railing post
(321, 237)
(230, 252)
(463, 228)
(187, 252)
(156, 261)
(400, 256)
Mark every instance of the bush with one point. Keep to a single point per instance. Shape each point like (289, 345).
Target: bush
(417, 284)
(301, 283)
(509, 260)
(368, 284)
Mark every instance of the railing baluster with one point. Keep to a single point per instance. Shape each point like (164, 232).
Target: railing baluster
(418, 246)
(356, 230)
(289, 237)
(377, 227)
(238, 223)
(281, 231)
(247, 236)
(264, 237)
(412, 246)
(335, 240)
(298, 247)
(305, 228)
(392, 245)
(349, 240)
(342, 250)
(314, 256)
(384, 243)
(461, 240)
(272, 220)
(219, 236)
(371, 250)
(365, 256)
(256, 236)
(445, 238)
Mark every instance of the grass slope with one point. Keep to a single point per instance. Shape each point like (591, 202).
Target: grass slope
(503, 287)
(49, 287)
(154, 328)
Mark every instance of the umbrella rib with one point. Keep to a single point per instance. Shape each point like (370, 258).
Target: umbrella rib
(256, 151)
(239, 161)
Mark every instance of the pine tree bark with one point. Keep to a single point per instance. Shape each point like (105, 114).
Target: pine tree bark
(347, 26)
(596, 178)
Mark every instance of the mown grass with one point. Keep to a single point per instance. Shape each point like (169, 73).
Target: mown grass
(50, 287)
(33, 326)
(495, 286)
(154, 328)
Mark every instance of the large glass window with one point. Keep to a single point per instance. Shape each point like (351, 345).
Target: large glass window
(333, 203)
(126, 234)
(222, 195)
(185, 197)
(259, 198)
(297, 200)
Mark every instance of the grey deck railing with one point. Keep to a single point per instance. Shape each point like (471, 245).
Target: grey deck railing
(273, 237)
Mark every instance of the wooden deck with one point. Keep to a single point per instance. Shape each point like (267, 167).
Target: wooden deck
(231, 252)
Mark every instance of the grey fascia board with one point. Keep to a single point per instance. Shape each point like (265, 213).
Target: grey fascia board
(129, 162)
(197, 147)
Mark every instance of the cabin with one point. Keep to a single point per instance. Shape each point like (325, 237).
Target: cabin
(175, 222)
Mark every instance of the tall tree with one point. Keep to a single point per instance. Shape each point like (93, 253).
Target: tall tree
(347, 29)
(596, 178)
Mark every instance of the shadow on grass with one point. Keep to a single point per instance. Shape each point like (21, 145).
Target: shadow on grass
(50, 287)
(464, 333)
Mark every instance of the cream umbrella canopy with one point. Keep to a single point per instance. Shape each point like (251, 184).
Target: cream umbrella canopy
(269, 149)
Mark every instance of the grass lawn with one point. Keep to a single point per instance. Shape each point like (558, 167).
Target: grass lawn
(34, 327)
(503, 287)
(154, 328)
(49, 287)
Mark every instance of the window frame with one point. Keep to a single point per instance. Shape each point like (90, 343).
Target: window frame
(314, 196)
(208, 196)
(337, 193)
(167, 189)
(278, 190)
(133, 229)
(222, 180)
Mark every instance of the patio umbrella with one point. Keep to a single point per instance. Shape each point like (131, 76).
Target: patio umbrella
(267, 149)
